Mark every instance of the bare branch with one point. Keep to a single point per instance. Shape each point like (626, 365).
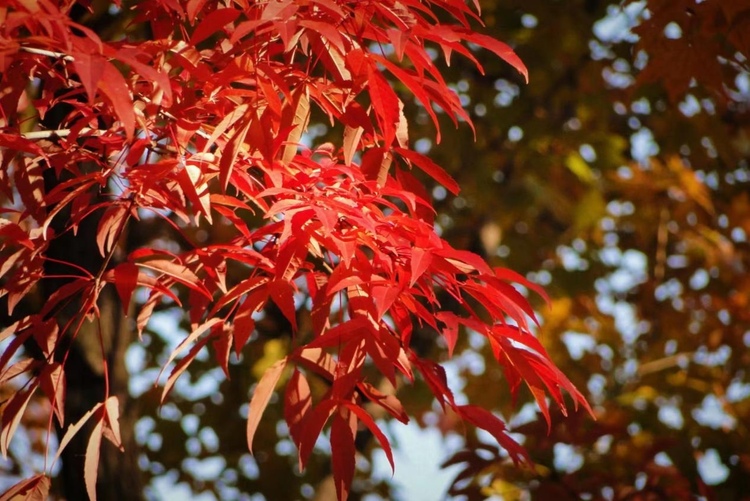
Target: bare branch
(49, 53)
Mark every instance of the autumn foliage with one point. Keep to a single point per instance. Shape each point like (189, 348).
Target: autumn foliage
(199, 116)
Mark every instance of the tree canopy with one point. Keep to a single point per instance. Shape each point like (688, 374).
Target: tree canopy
(263, 174)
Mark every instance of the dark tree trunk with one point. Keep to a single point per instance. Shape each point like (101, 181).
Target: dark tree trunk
(104, 338)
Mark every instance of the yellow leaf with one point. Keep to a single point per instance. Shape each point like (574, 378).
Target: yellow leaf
(580, 168)
(273, 351)
(589, 210)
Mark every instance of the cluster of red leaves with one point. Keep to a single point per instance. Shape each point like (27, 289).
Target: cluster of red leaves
(205, 119)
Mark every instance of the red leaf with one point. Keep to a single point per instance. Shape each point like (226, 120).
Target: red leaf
(114, 86)
(420, 261)
(52, 380)
(387, 401)
(291, 256)
(20, 284)
(179, 272)
(126, 280)
(434, 376)
(487, 421)
(512, 276)
(430, 168)
(297, 404)
(368, 421)
(501, 49)
(231, 150)
(223, 347)
(213, 22)
(384, 102)
(13, 232)
(63, 197)
(30, 185)
(193, 7)
(261, 396)
(450, 332)
(282, 293)
(197, 332)
(318, 361)
(415, 84)
(180, 367)
(342, 453)
(342, 333)
(314, 424)
(90, 69)
(244, 325)
(160, 77)
(196, 190)
(376, 163)
(45, 332)
(384, 296)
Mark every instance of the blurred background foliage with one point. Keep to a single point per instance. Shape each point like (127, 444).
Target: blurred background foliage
(618, 179)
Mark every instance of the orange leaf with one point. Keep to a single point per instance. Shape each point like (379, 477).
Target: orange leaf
(110, 227)
(91, 460)
(35, 488)
(73, 429)
(296, 116)
(352, 135)
(111, 429)
(12, 414)
(261, 396)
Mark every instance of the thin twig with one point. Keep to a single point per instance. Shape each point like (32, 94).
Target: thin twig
(49, 53)
(47, 134)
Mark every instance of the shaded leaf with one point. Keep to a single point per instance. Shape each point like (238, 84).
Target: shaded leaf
(342, 453)
(35, 488)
